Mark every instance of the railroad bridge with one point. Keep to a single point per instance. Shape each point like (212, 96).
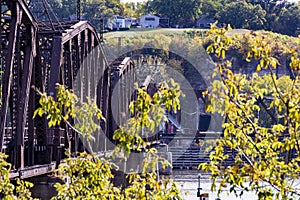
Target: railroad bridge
(42, 53)
(39, 51)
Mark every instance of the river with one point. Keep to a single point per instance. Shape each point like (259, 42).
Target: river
(188, 183)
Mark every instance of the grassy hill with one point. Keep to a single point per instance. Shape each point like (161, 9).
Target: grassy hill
(140, 31)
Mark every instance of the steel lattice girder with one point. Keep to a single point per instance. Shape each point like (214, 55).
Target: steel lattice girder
(33, 54)
(19, 58)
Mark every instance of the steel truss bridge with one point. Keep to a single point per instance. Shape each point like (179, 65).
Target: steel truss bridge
(38, 50)
(42, 53)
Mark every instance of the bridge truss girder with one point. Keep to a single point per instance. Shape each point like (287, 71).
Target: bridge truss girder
(18, 51)
(41, 55)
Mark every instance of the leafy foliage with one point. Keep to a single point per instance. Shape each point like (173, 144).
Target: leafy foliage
(147, 114)
(68, 106)
(180, 12)
(131, 9)
(273, 15)
(8, 190)
(274, 9)
(289, 16)
(90, 176)
(211, 7)
(266, 159)
(146, 184)
(91, 10)
(249, 16)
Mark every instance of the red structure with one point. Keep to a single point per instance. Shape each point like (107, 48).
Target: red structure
(41, 53)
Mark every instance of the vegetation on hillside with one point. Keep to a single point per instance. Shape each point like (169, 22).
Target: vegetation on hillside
(272, 15)
(91, 10)
(176, 50)
(266, 156)
(193, 39)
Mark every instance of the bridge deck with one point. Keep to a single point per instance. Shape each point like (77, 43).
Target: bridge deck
(33, 171)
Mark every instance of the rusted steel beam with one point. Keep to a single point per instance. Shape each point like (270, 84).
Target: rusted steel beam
(25, 90)
(29, 17)
(133, 80)
(69, 68)
(82, 47)
(39, 80)
(56, 75)
(76, 54)
(126, 63)
(31, 123)
(77, 29)
(56, 61)
(94, 66)
(147, 81)
(33, 171)
(86, 66)
(7, 77)
(121, 97)
(77, 41)
(103, 86)
(120, 89)
(105, 98)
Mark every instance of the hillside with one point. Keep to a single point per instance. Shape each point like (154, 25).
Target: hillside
(188, 40)
(139, 32)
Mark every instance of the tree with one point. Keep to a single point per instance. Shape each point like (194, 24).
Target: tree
(288, 21)
(95, 9)
(8, 190)
(181, 12)
(210, 7)
(90, 176)
(266, 159)
(273, 10)
(132, 9)
(67, 9)
(91, 10)
(242, 15)
(129, 9)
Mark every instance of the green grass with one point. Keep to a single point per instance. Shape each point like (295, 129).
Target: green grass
(165, 31)
(142, 31)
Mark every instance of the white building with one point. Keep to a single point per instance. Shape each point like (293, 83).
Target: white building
(129, 21)
(119, 22)
(149, 21)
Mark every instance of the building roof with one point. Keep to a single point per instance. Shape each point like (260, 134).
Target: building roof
(149, 15)
(205, 17)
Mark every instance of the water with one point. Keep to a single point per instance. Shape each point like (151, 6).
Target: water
(188, 183)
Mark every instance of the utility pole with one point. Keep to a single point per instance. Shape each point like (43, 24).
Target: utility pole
(78, 10)
(199, 188)
(101, 27)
